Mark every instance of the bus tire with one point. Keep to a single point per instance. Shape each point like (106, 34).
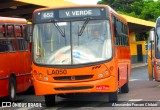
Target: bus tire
(125, 88)
(12, 89)
(113, 96)
(49, 100)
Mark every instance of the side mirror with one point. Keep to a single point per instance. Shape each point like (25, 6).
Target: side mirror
(28, 32)
(152, 34)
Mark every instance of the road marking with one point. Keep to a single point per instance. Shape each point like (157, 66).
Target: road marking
(135, 100)
(133, 79)
(25, 108)
(1, 107)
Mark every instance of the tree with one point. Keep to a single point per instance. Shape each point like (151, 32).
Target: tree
(143, 9)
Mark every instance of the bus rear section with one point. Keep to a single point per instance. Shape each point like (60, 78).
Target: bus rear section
(15, 58)
(79, 50)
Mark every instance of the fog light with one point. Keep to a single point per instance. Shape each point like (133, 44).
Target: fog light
(40, 75)
(100, 75)
(111, 68)
(46, 78)
(106, 72)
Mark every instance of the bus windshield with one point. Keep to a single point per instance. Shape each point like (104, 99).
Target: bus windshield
(72, 42)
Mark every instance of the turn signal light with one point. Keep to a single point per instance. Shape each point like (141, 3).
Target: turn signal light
(111, 68)
(40, 75)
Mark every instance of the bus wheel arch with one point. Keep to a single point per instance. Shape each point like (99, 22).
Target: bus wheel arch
(12, 88)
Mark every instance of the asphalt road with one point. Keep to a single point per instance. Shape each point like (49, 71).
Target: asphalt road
(144, 94)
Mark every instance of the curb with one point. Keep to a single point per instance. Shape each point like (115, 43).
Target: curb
(138, 65)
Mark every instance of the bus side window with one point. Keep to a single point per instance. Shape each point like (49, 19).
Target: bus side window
(23, 28)
(2, 31)
(18, 31)
(117, 38)
(3, 40)
(10, 30)
(12, 43)
(20, 37)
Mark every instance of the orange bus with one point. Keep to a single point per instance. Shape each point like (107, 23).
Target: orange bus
(68, 60)
(15, 58)
(154, 64)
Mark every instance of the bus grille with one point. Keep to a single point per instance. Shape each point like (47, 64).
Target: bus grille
(74, 88)
(70, 78)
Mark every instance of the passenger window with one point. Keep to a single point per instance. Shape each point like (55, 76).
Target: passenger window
(3, 40)
(2, 31)
(10, 30)
(18, 31)
(20, 37)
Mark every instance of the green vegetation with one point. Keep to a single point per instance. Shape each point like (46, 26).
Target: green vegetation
(143, 9)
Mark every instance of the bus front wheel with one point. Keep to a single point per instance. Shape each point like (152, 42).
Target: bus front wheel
(49, 100)
(125, 88)
(113, 96)
(12, 89)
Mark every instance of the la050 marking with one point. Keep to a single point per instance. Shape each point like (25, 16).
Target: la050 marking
(57, 72)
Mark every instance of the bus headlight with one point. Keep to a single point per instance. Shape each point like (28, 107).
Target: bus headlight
(106, 72)
(46, 78)
(100, 75)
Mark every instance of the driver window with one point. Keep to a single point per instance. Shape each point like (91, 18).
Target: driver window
(158, 31)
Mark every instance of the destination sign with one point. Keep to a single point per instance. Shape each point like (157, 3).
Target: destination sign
(70, 13)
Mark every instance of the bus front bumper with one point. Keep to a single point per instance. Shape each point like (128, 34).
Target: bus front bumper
(102, 85)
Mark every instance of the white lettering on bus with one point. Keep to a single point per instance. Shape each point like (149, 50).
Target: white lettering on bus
(79, 13)
(67, 13)
(85, 12)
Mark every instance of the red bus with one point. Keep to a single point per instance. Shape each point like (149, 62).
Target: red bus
(154, 58)
(69, 59)
(15, 58)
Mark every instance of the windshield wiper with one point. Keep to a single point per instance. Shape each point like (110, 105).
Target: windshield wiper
(59, 29)
(83, 27)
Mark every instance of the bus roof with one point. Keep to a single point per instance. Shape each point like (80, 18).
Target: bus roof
(81, 6)
(78, 6)
(12, 20)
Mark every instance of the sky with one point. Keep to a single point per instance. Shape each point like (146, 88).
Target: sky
(84, 2)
